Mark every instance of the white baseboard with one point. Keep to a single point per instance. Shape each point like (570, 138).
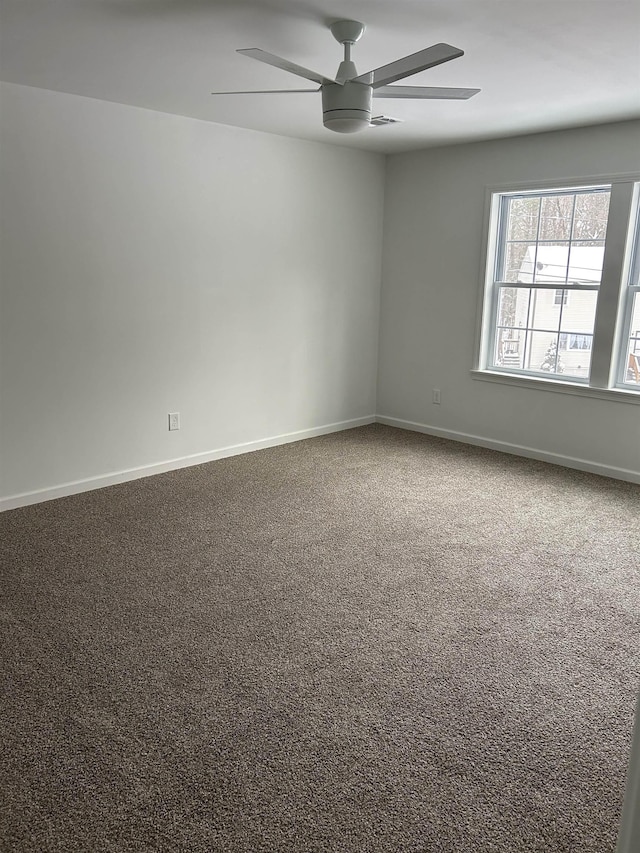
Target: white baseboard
(77, 486)
(112, 479)
(515, 449)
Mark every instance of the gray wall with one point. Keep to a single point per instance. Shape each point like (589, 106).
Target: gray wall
(434, 209)
(153, 263)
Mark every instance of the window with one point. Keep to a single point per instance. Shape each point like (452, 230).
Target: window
(630, 362)
(547, 243)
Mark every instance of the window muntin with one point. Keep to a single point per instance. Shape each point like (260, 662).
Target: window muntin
(546, 239)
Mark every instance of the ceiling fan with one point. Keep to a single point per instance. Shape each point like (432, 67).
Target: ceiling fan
(346, 100)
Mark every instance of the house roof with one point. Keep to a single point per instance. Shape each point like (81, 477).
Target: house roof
(559, 264)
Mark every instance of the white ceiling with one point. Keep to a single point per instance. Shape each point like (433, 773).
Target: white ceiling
(541, 65)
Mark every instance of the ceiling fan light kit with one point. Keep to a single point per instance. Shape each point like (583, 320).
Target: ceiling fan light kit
(346, 108)
(346, 100)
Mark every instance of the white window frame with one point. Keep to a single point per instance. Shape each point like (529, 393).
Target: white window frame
(615, 295)
(632, 282)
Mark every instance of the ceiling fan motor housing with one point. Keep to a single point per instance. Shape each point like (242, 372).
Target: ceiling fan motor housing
(346, 109)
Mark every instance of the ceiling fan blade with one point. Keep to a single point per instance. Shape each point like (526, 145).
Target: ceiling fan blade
(278, 62)
(408, 65)
(435, 93)
(266, 92)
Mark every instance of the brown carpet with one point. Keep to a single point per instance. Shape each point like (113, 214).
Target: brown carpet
(369, 641)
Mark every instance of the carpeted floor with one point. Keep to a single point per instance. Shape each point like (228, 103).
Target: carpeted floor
(369, 641)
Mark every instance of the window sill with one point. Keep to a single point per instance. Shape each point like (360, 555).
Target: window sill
(620, 395)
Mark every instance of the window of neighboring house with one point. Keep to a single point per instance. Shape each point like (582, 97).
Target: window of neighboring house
(571, 341)
(542, 245)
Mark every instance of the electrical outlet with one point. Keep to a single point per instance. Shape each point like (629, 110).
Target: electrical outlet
(174, 420)
(435, 397)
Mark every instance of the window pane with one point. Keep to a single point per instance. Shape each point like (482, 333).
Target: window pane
(590, 218)
(522, 218)
(545, 312)
(513, 306)
(579, 314)
(509, 348)
(635, 264)
(556, 215)
(585, 262)
(551, 262)
(576, 363)
(542, 353)
(632, 367)
(631, 351)
(515, 256)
